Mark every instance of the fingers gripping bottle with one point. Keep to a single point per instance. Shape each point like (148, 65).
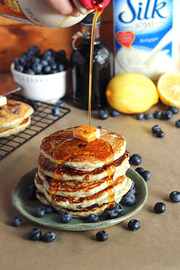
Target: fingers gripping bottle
(38, 12)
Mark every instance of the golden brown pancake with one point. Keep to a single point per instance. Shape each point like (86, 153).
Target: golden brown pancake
(61, 148)
(10, 131)
(13, 113)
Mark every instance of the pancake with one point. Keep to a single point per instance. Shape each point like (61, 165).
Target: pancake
(82, 176)
(119, 166)
(72, 188)
(60, 147)
(10, 131)
(75, 205)
(13, 113)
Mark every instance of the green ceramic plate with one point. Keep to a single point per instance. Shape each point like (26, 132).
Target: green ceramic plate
(27, 207)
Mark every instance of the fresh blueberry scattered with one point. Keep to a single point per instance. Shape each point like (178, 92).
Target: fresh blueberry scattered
(40, 212)
(167, 115)
(175, 196)
(48, 209)
(128, 199)
(135, 159)
(140, 116)
(159, 208)
(146, 175)
(134, 225)
(49, 237)
(115, 113)
(32, 192)
(155, 129)
(160, 134)
(148, 116)
(92, 218)
(35, 234)
(174, 110)
(101, 236)
(111, 213)
(65, 217)
(33, 104)
(55, 111)
(158, 114)
(118, 208)
(103, 114)
(61, 103)
(177, 123)
(139, 170)
(16, 221)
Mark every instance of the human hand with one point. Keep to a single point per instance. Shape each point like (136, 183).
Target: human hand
(64, 7)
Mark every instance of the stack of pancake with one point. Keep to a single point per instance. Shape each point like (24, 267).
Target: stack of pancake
(82, 177)
(15, 116)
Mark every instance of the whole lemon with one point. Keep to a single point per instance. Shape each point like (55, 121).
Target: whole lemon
(131, 93)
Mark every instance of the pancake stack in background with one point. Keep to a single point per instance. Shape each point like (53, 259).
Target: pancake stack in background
(15, 116)
(82, 173)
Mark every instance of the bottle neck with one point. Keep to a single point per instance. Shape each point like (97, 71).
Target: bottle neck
(86, 32)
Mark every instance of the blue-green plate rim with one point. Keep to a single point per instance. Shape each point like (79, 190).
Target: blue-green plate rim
(27, 207)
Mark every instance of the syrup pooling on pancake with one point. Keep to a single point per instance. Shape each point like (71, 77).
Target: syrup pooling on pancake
(97, 148)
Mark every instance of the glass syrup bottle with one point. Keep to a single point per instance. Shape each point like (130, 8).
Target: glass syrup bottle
(102, 67)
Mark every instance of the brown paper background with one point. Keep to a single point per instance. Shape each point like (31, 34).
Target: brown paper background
(155, 245)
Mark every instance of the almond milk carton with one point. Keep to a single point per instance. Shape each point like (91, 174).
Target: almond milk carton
(147, 36)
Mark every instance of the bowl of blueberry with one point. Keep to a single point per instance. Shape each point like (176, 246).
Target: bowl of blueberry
(42, 76)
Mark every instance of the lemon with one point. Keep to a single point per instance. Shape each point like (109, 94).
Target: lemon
(169, 89)
(131, 93)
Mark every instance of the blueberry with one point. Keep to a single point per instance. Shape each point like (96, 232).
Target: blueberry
(55, 111)
(61, 103)
(48, 209)
(175, 196)
(101, 236)
(19, 68)
(177, 123)
(92, 218)
(115, 113)
(148, 116)
(159, 208)
(65, 217)
(37, 68)
(118, 208)
(128, 199)
(33, 104)
(16, 221)
(40, 212)
(32, 192)
(146, 175)
(160, 134)
(61, 68)
(157, 114)
(44, 63)
(140, 116)
(167, 115)
(139, 170)
(134, 225)
(155, 129)
(103, 114)
(30, 71)
(35, 234)
(49, 237)
(174, 110)
(46, 69)
(135, 159)
(111, 213)
(34, 49)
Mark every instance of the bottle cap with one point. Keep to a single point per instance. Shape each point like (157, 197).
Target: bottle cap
(87, 21)
(90, 4)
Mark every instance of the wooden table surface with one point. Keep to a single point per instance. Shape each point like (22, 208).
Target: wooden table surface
(156, 245)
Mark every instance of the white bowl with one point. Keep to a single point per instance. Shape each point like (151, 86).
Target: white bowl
(46, 88)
